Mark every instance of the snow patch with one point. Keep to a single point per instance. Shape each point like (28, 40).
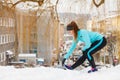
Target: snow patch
(50, 73)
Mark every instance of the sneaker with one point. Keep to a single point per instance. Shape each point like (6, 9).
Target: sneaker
(69, 67)
(93, 70)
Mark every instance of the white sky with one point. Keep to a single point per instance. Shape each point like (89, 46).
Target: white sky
(49, 73)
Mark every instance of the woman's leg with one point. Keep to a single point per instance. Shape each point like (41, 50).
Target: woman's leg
(96, 46)
(79, 61)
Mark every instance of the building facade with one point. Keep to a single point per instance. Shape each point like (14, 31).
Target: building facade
(7, 33)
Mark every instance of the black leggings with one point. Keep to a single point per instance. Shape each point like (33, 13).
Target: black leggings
(87, 54)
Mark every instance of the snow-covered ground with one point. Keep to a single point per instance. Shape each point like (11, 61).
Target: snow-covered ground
(50, 73)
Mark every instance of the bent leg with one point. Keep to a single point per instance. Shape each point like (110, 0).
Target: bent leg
(96, 46)
(79, 61)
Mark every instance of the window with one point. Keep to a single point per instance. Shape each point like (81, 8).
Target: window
(0, 57)
(4, 55)
(6, 38)
(2, 36)
(10, 37)
(0, 40)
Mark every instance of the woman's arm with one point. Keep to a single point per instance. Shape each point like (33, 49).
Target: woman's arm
(70, 51)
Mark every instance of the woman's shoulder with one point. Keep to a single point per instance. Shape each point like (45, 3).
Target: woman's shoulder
(82, 32)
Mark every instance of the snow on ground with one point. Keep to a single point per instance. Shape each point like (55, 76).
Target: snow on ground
(50, 73)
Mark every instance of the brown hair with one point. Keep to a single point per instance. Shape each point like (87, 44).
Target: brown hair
(74, 26)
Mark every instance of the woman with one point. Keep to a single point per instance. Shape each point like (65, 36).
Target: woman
(93, 42)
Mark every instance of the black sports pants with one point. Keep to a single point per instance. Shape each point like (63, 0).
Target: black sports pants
(87, 54)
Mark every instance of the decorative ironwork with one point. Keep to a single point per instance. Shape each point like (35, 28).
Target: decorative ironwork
(98, 4)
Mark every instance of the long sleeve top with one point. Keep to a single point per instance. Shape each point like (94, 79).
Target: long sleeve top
(87, 37)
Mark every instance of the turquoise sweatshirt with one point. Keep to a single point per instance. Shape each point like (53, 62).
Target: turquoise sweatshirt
(86, 37)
